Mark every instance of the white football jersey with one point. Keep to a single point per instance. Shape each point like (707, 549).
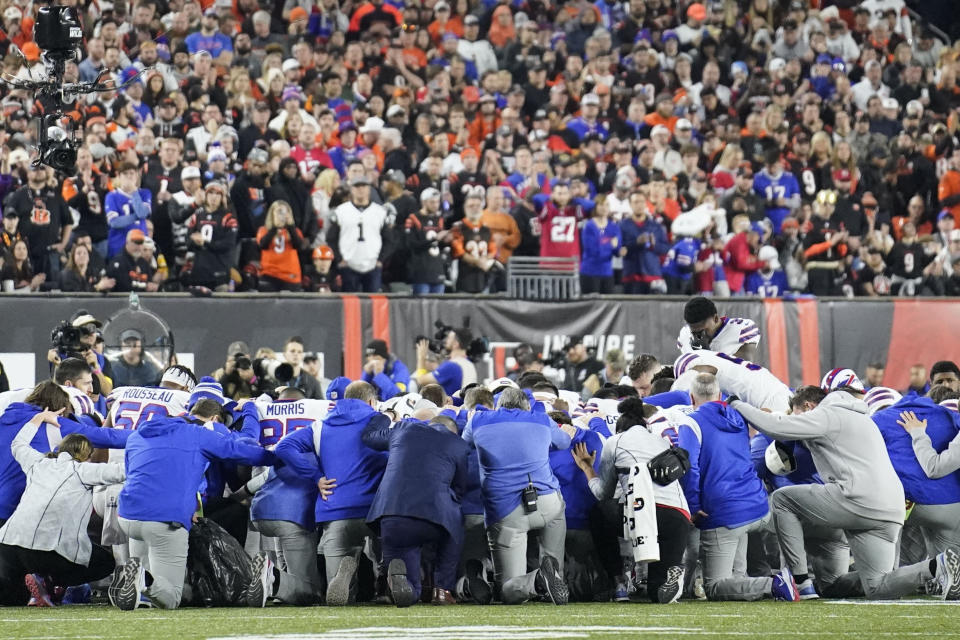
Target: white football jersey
(733, 334)
(132, 406)
(280, 417)
(748, 381)
(666, 423)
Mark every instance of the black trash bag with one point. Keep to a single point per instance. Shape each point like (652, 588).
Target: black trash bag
(218, 569)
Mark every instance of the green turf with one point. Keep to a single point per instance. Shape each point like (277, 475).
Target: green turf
(919, 618)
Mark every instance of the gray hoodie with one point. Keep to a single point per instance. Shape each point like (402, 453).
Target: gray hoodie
(847, 450)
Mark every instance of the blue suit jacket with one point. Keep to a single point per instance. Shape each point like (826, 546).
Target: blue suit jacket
(426, 473)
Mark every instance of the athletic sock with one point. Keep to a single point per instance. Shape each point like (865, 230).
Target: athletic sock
(933, 567)
(147, 578)
(276, 581)
(800, 578)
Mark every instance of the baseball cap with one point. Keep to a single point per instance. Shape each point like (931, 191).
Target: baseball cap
(136, 235)
(838, 378)
(684, 125)
(289, 65)
(471, 19)
(428, 194)
(590, 98)
(769, 255)
(697, 11)
(323, 252)
(944, 214)
(210, 13)
(83, 318)
(659, 129)
(824, 58)
(377, 348)
(298, 13)
(789, 223)
(258, 155)
(131, 334)
(890, 103)
(189, 173)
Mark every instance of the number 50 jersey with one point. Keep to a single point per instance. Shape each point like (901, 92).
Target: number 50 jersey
(132, 406)
(280, 417)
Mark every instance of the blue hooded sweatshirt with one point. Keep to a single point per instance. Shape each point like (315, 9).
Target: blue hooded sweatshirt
(356, 467)
(573, 484)
(514, 447)
(730, 492)
(12, 479)
(286, 496)
(166, 459)
(942, 428)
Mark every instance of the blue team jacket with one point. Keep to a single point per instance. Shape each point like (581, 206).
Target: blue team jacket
(669, 399)
(730, 493)
(598, 249)
(356, 467)
(514, 448)
(942, 427)
(12, 479)
(573, 484)
(166, 459)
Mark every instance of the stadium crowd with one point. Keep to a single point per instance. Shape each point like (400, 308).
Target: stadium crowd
(708, 478)
(763, 147)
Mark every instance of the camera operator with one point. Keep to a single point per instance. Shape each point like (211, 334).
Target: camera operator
(581, 366)
(237, 377)
(385, 370)
(76, 339)
(457, 371)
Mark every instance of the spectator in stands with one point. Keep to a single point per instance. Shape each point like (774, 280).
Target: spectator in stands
(472, 244)
(79, 276)
(645, 240)
(213, 240)
(279, 241)
(423, 235)
(360, 237)
(601, 241)
(127, 207)
(17, 273)
(293, 355)
(45, 221)
(129, 270)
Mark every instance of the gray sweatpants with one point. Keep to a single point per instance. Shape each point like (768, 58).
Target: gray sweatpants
(300, 584)
(342, 538)
(940, 524)
(508, 543)
(724, 553)
(162, 550)
(873, 544)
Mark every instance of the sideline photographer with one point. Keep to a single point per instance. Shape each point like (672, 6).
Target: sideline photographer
(237, 377)
(457, 371)
(582, 368)
(77, 338)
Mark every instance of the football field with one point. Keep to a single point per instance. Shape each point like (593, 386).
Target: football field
(905, 619)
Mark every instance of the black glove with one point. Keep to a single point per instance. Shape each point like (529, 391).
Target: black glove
(732, 399)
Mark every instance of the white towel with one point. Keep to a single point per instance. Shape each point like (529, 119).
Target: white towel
(640, 516)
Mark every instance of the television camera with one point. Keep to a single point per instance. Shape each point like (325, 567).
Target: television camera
(59, 36)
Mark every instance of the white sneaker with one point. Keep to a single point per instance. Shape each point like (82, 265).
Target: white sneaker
(132, 585)
(948, 574)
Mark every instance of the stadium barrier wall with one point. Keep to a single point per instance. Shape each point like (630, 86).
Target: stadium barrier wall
(800, 339)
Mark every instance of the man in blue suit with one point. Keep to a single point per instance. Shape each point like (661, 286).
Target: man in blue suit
(418, 503)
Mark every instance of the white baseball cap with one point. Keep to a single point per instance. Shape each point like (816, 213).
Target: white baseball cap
(769, 255)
